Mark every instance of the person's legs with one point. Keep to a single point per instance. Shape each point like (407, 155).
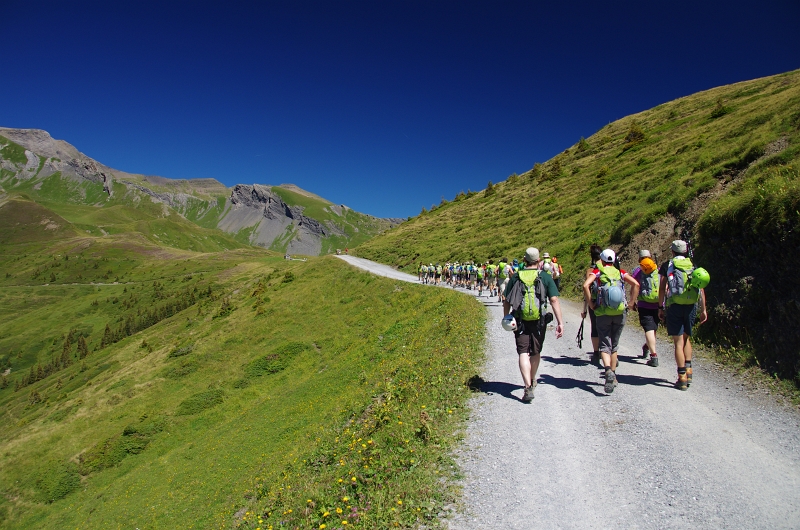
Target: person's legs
(526, 368)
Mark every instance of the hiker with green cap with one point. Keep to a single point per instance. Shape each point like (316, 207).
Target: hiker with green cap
(680, 292)
(526, 298)
(604, 291)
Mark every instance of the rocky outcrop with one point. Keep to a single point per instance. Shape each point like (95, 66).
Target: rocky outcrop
(257, 206)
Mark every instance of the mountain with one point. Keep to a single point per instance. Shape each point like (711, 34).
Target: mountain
(284, 218)
(718, 168)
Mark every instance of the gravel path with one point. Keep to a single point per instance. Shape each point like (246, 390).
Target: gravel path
(646, 456)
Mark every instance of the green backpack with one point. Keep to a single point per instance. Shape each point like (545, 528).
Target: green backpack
(534, 299)
(648, 291)
(679, 282)
(610, 292)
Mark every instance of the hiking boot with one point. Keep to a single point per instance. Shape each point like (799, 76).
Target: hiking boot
(611, 382)
(682, 383)
(527, 397)
(653, 361)
(645, 351)
(688, 375)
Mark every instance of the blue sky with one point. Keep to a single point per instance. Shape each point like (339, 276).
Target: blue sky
(384, 106)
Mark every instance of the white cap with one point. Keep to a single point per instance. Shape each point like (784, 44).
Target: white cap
(531, 255)
(607, 256)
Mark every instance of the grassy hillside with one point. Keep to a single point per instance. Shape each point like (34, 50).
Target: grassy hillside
(89, 209)
(152, 387)
(719, 168)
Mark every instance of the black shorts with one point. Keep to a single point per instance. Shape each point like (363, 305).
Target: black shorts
(648, 318)
(680, 319)
(530, 338)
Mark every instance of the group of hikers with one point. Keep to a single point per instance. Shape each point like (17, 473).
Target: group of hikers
(486, 276)
(672, 294)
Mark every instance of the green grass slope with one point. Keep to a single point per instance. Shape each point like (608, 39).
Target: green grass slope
(719, 167)
(89, 209)
(152, 387)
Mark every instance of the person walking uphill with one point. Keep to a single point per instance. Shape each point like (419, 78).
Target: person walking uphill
(609, 304)
(681, 286)
(647, 303)
(525, 301)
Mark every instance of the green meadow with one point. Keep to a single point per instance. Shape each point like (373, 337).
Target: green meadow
(147, 386)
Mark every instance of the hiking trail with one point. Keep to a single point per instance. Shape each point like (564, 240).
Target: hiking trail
(719, 455)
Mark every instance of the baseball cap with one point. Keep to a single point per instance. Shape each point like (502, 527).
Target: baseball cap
(607, 256)
(679, 246)
(531, 255)
(644, 254)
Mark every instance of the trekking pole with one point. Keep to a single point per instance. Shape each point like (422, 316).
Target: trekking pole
(579, 337)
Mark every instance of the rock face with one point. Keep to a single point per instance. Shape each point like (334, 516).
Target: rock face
(258, 207)
(252, 211)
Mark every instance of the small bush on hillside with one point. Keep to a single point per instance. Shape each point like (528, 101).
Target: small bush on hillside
(583, 146)
(536, 172)
(634, 137)
(183, 350)
(200, 402)
(719, 109)
(275, 361)
(56, 480)
(489, 191)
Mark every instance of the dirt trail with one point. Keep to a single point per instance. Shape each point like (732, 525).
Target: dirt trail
(646, 456)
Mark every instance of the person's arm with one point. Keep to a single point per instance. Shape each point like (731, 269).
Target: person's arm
(630, 280)
(662, 286)
(587, 293)
(703, 313)
(554, 303)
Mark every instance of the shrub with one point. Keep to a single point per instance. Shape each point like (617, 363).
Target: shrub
(634, 137)
(275, 361)
(200, 402)
(56, 480)
(719, 109)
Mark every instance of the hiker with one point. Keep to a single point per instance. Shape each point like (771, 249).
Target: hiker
(646, 273)
(604, 291)
(594, 251)
(679, 293)
(557, 272)
(528, 294)
(503, 276)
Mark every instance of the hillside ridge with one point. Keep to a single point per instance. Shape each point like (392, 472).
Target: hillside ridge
(300, 222)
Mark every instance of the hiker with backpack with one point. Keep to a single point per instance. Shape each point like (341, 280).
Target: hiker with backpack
(604, 292)
(646, 273)
(595, 251)
(526, 298)
(681, 290)
(558, 270)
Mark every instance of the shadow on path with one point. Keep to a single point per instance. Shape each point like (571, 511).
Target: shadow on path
(572, 361)
(637, 380)
(567, 383)
(501, 388)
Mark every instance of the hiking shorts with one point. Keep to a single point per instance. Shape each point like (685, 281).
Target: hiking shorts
(648, 318)
(609, 329)
(529, 339)
(680, 319)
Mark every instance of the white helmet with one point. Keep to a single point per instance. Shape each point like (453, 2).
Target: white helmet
(509, 323)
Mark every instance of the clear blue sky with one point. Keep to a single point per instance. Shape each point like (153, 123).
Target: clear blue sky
(386, 106)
